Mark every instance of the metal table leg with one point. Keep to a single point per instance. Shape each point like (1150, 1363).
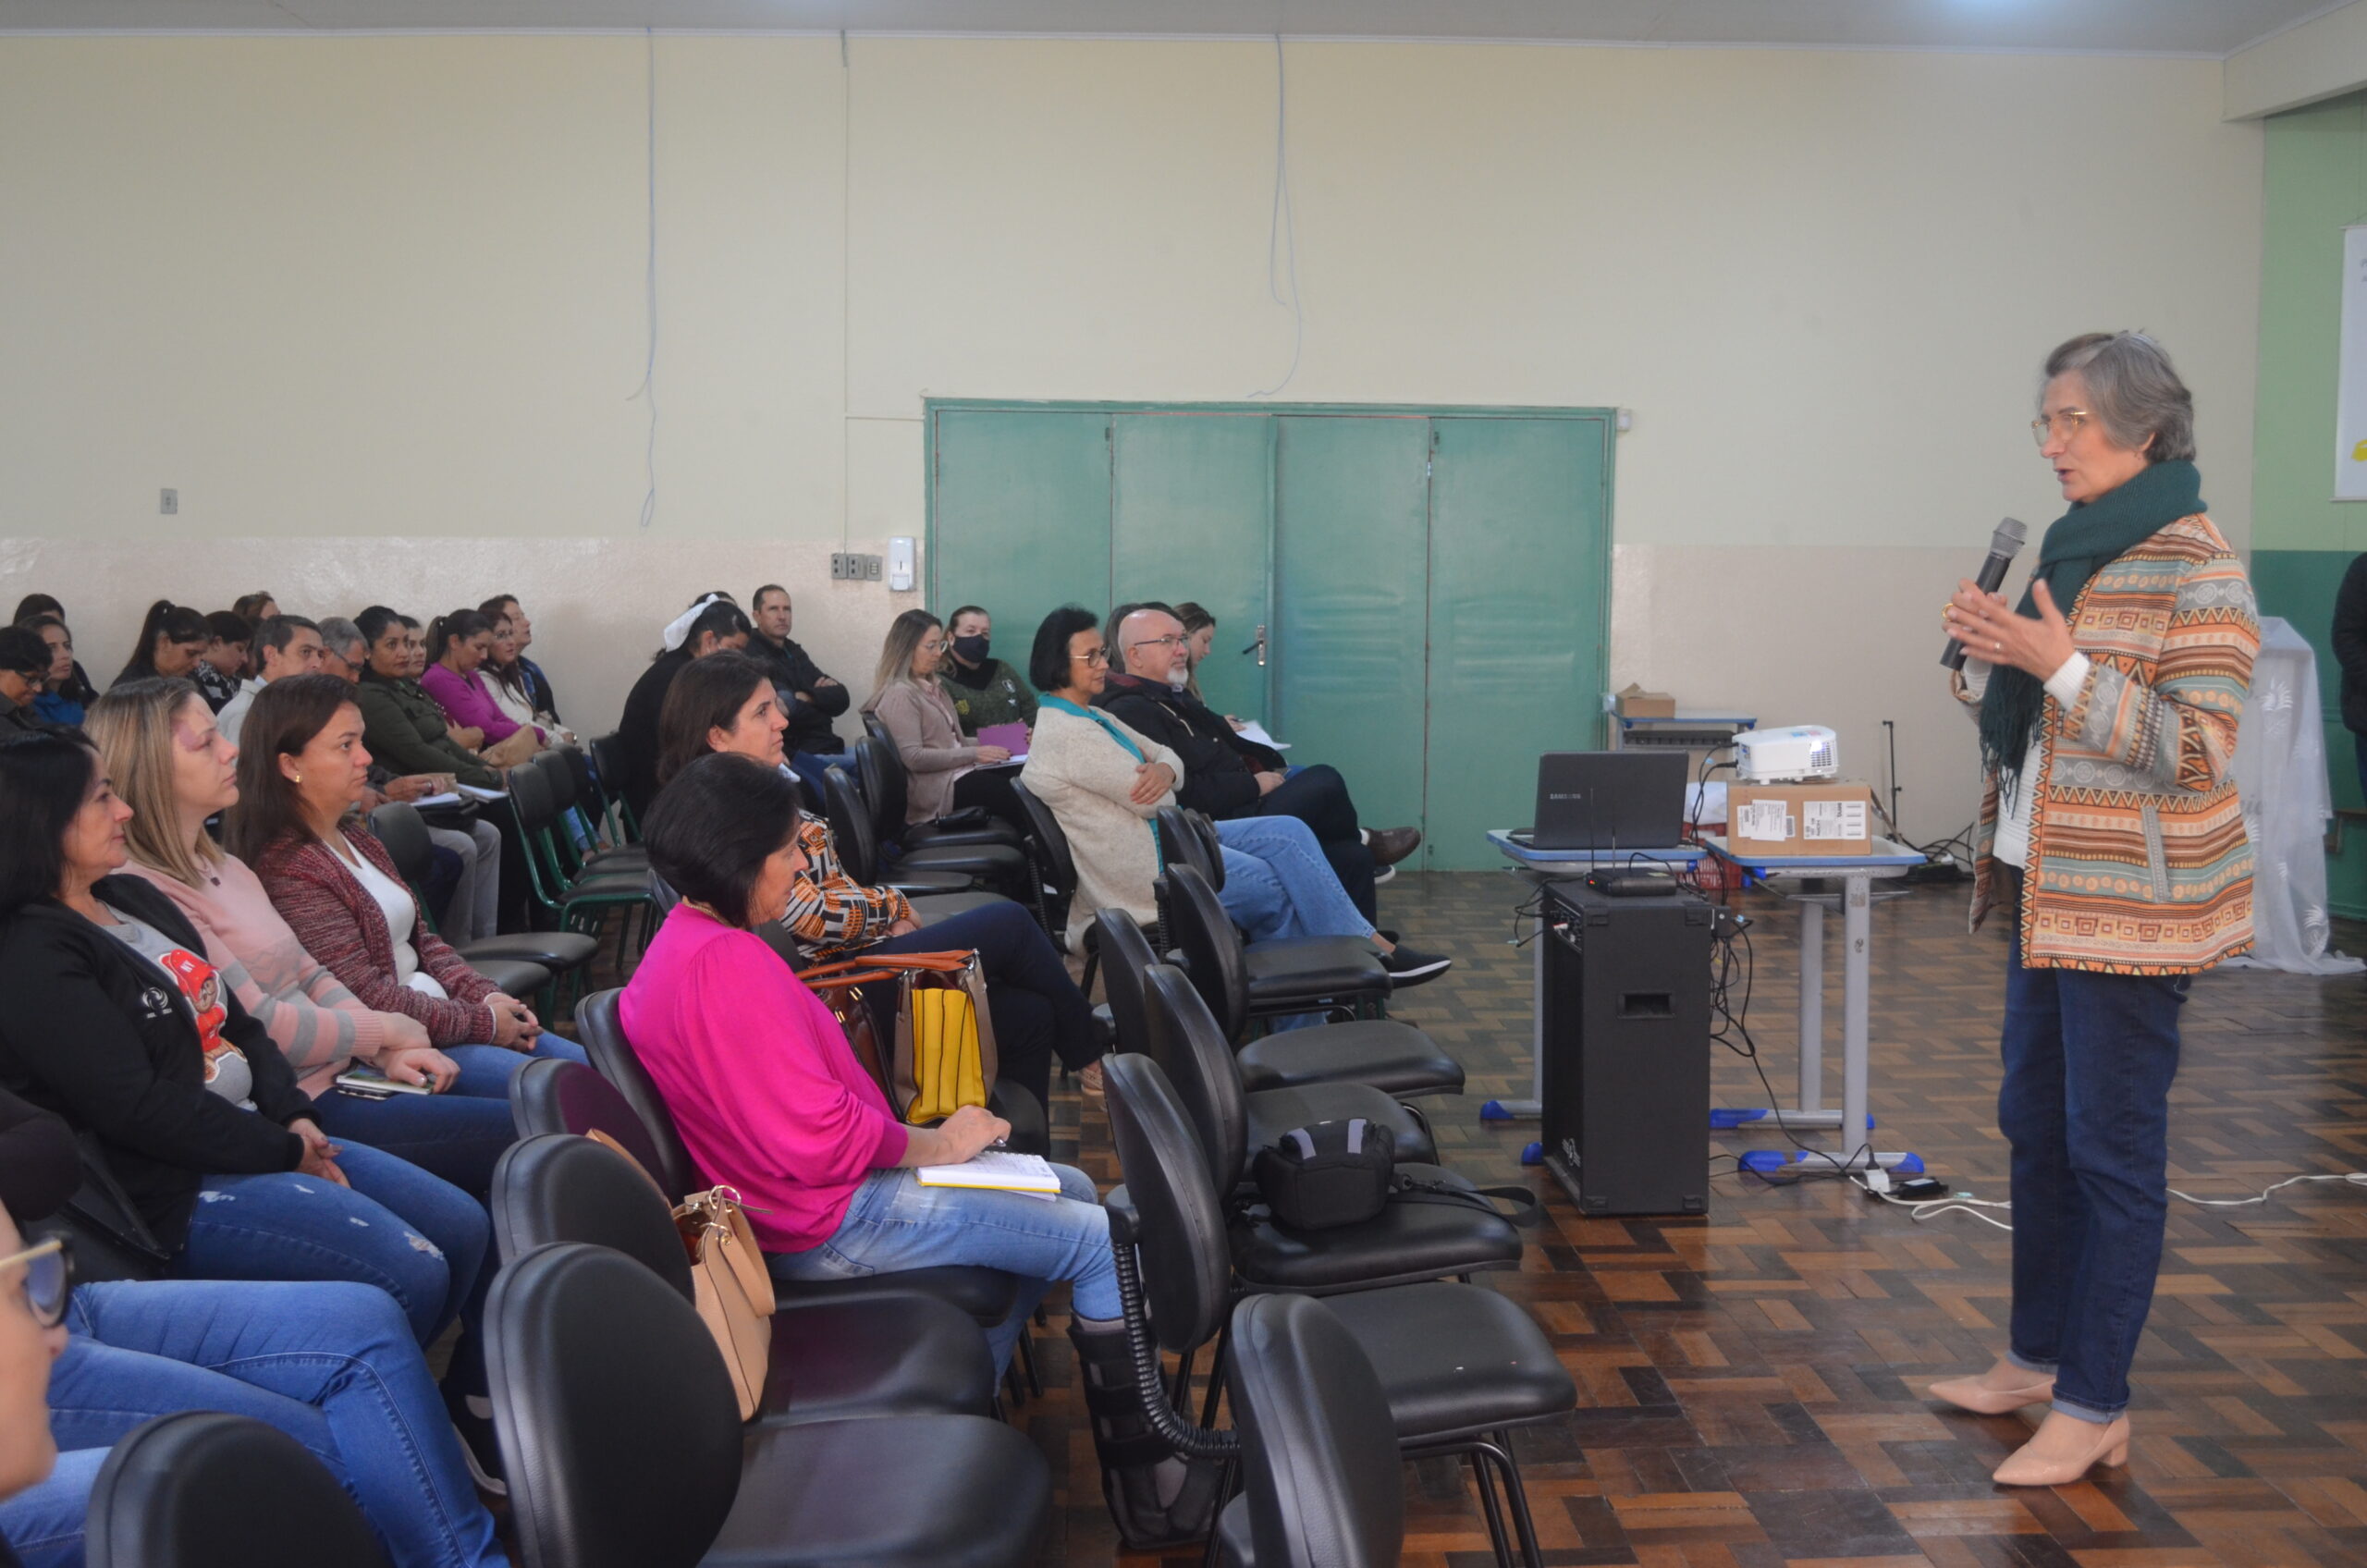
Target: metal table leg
(1812, 1006)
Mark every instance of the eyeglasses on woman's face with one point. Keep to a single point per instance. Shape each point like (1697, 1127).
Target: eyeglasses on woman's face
(49, 1279)
(1098, 656)
(2060, 425)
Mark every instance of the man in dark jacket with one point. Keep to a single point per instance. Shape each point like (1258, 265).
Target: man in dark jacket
(1227, 777)
(2351, 653)
(810, 699)
(24, 665)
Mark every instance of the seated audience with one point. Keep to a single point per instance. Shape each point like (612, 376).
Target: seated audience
(947, 771)
(810, 700)
(1199, 637)
(403, 727)
(539, 685)
(1106, 782)
(67, 692)
(984, 690)
(1147, 661)
(172, 639)
(251, 608)
(728, 703)
(301, 772)
(224, 663)
(458, 644)
(712, 625)
(25, 664)
(120, 1024)
(173, 766)
(510, 683)
(770, 1098)
(331, 1364)
(284, 645)
(470, 907)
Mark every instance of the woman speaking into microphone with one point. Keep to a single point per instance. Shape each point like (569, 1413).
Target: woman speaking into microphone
(2111, 836)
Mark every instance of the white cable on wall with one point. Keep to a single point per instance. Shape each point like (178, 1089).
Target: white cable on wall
(1282, 222)
(648, 388)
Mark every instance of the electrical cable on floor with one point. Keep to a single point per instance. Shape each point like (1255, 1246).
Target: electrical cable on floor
(1925, 1209)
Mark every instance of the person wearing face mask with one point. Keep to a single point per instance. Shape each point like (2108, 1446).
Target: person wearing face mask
(985, 692)
(946, 771)
(333, 1364)
(810, 700)
(24, 670)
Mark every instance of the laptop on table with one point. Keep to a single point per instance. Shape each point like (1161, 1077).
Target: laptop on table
(1608, 800)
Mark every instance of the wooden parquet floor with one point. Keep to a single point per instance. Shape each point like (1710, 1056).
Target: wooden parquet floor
(1751, 1381)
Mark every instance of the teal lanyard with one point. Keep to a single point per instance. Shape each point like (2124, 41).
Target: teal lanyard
(1110, 728)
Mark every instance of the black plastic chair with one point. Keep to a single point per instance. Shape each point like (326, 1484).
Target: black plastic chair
(1179, 842)
(880, 773)
(1210, 844)
(1280, 975)
(616, 819)
(552, 1095)
(403, 831)
(202, 1489)
(1270, 1113)
(987, 1294)
(998, 863)
(850, 820)
(1460, 1365)
(623, 1446)
(1381, 1052)
(1321, 1485)
(1055, 883)
(881, 1356)
(1405, 1243)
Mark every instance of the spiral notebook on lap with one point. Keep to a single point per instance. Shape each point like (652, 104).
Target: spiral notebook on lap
(996, 1170)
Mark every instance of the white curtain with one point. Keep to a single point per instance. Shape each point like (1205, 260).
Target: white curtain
(2281, 774)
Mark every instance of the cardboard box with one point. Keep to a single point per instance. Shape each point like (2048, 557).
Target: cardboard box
(1800, 819)
(1636, 703)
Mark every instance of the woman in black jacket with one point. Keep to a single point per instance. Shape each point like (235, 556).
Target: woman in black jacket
(118, 1022)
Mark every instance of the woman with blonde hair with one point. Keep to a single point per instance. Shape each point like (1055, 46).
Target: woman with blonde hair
(173, 766)
(947, 771)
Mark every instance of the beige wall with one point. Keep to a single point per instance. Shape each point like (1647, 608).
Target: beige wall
(374, 305)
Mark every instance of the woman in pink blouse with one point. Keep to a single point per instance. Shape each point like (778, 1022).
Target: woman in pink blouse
(771, 1100)
(457, 646)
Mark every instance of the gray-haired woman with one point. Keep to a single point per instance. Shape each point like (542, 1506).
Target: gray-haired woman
(2111, 834)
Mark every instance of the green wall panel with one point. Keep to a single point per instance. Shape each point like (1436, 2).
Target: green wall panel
(2300, 586)
(1352, 540)
(1019, 517)
(1194, 519)
(1518, 516)
(2314, 188)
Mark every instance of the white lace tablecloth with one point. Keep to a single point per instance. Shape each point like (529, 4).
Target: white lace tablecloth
(2281, 774)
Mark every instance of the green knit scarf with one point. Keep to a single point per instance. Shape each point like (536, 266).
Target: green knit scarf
(2078, 545)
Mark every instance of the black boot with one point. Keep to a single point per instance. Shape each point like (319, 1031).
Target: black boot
(1158, 1497)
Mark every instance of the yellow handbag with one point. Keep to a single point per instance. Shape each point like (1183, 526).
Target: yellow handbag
(943, 1055)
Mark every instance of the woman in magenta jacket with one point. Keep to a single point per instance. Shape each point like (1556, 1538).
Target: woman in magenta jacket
(770, 1100)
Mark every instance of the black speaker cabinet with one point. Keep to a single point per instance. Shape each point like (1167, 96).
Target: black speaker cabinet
(1626, 1042)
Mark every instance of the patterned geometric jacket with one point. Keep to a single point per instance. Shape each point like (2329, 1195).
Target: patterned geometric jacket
(2138, 862)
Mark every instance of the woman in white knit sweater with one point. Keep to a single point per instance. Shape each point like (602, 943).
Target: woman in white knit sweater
(1105, 782)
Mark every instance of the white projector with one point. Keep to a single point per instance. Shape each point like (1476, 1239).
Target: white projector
(1773, 756)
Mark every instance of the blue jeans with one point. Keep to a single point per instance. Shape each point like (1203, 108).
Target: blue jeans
(2086, 1107)
(458, 1134)
(332, 1366)
(1290, 889)
(895, 1224)
(415, 1236)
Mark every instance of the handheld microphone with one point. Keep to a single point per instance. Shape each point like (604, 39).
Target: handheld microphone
(2003, 546)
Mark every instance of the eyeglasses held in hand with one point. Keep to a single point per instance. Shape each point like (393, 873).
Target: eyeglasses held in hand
(49, 1279)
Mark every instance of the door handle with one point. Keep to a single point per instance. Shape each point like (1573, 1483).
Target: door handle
(1258, 647)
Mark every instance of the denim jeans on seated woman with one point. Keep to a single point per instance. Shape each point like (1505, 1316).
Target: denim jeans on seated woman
(1291, 890)
(415, 1236)
(458, 1134)
(895, 1224)
(332, 1366)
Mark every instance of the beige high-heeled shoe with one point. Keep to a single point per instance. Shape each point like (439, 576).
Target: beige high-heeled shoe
(2063, 1449)
(2002, 1388)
